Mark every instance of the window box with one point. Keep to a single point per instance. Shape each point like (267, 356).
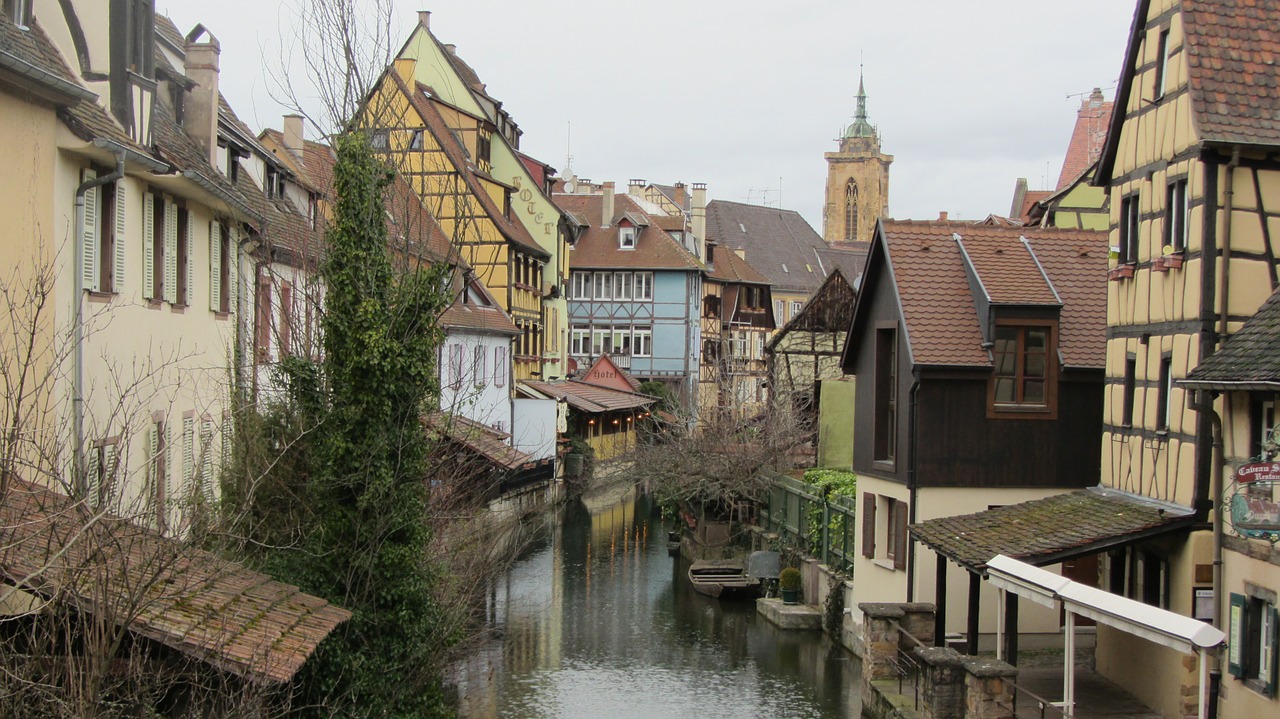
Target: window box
(1121, 272)
(1172, 261)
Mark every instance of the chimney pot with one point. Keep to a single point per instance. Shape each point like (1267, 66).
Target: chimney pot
(942, 216)
(293, 134)
(424, 19)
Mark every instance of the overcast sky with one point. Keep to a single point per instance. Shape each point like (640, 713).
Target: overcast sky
(747, 95)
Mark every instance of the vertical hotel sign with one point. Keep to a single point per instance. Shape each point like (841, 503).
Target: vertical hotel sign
(1255, 501)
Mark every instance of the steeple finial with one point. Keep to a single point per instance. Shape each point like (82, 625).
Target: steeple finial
(862, 98)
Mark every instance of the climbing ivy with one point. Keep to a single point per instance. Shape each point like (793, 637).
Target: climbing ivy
(365, 537)
(828, 483)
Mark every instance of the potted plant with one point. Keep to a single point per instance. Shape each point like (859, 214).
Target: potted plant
(789, 585)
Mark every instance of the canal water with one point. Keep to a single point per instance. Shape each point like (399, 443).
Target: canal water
(595, 620)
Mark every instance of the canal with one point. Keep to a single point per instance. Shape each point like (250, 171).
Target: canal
(596, 620)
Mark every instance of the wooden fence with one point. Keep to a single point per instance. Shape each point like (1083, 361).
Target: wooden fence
(821, 528)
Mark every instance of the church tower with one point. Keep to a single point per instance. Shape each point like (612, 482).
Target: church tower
(857, 180)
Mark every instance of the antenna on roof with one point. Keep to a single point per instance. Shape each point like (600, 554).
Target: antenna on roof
(568, 147)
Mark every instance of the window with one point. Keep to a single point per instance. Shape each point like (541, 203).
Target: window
(601, 340)
(884, 529)
(1166, 388)
(455, 365)
(868, 525)
(642, 341)
(1175, 216)
(778, 307)
(886, 394)
(1162, 63)
(1252, 642)
(1130, 379)
(222, 259)
(478, 371)
(499, 366)
(1129, 229)
(580, 341)
(627, 238)
(189, 454)
(1264, 422)
(103, 239)
(380, 140)
(603, 285)
(18, 10)
(851, 211)
(154, 265)
(141, 37)
(644, 286)
(484, 141)
(1023, 363)
(622, 285)
(895, 534)
(206, 458)
(415, 140)
(795, 308)
(580, 285)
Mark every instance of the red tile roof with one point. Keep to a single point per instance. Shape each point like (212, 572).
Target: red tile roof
(598, 248)
(1232, 47)
(1087, 138)
(223, 613)
(942, 325)
(727, 266)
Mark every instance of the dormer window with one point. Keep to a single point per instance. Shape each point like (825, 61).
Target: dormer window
(627, 238)
(1024, 367)
(18, 10)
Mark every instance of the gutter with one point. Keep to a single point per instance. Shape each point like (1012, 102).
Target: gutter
(70, 90)
(81, 481)
(221, 193)
(128, 154)
(911, 482)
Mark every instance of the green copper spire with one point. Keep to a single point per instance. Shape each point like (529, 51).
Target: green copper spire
(860, 126)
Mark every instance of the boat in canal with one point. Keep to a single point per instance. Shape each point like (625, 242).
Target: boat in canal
(723, 578)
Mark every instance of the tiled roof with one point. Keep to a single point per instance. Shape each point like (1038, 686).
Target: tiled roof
(591, 398)
(1250, 356)
(468, 315)
(728, 267)
(1087, 138)
(829, 309)
(942, 325)
(33, 48)
(168, 30)
(848, 257)
(1047, 531)
(597, 248)
(315, 165)
(448, 141)
(481, 439)
(1231, 49)
(778, 242)
(223, 613)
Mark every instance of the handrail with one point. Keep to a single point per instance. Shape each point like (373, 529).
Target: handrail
(1042, 703)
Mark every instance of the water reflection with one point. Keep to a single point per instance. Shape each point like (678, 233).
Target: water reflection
(597, 621)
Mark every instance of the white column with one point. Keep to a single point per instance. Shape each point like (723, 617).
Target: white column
(1069, 669)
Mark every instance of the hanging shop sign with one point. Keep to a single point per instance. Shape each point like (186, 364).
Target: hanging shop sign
(1255, 501)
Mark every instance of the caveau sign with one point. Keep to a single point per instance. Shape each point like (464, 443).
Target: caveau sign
(1258, 472)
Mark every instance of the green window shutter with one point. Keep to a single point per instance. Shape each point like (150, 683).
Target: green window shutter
(189, 242)
(117, 278)
(233, 271)
(215, 266)
(1267, 660)
(148, 246)
(89, 237)
(170, 252)
(1236, 636)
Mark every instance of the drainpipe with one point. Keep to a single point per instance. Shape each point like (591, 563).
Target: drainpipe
(1228, 195)
(1203, 405)
(77, 325)
(911, 482)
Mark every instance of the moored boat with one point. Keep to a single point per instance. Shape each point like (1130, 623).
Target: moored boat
(724, 578)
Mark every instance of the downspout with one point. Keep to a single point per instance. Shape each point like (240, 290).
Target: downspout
(1203, 405)
(1228, 195)
(911, 481)
(77, 325)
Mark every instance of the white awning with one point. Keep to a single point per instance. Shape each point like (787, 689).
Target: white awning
(1133, 617)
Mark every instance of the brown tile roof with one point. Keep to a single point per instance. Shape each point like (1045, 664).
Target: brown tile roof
(1231, 49)
(223, 613)
(942, 325)
(728, 267)
(1250, 358)
(590, 398)
(848, 257)
(597, 248)
(1087, 138)
(169, 32)
(778, 242)
(315, 165)
(511, 229)
(33, 48)
(470, 315)
(481, 439)
(1047, 531)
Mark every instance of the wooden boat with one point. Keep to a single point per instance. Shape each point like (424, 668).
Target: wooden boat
(673, 543)
(724, 578)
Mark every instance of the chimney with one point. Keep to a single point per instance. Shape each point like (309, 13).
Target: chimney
(200, 116)
(679, 195)
(424, 19)
(636, 187)
(607, 205)
(293, 134)
(1096, 98)
(452, 48)
(942, 216)
(699, 220)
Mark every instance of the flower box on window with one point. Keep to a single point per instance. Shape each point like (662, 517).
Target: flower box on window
(1120, 272)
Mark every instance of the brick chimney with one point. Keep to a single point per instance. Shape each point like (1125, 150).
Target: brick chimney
(679, 195)
(293, 135)
(200, 115)
(942, 216)
(607, 205)
(699, 218)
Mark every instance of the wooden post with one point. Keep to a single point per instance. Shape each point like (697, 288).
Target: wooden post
(1011, 629)
(975, 585)
(940, 601)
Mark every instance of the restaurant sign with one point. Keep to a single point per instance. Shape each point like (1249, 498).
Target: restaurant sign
(1254, 505)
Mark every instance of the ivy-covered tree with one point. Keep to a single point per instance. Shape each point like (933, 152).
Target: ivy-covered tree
(366, 545)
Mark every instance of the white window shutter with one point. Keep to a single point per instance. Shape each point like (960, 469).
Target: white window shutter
(170, 496)
(153, 470)
(215, 266)
(148, 246)
(89, 238)
(189, 242)
(170, 252)
(233, 271)
(109, 469)
(92, 475)
(117, 278)
(188, 453)
(206, 459)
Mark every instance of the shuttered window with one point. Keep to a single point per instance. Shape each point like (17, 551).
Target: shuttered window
(170, 252)
(89, 237)
(898, 533)
(868, 525)
(206, 458)
(152, 250)
(1253, 642)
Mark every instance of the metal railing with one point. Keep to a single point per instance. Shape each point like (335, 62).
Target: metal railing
(824, 528)
(909, 668)
(1035, 707)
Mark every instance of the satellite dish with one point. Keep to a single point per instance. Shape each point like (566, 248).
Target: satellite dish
(570, 186)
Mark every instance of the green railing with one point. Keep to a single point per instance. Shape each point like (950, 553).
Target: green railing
(821, 528)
